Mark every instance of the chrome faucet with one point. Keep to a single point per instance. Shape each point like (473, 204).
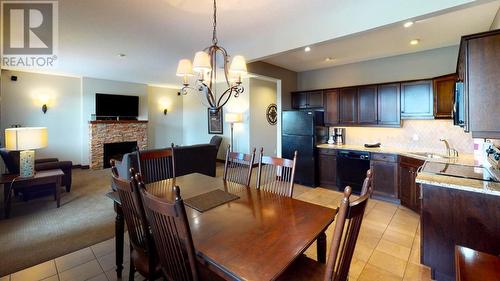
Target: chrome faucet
(450, 152)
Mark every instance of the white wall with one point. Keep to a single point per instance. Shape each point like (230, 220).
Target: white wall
(91, 86)
(164, 129)
(21, 103)
(262, 134)
(195, 121)
(425, 64)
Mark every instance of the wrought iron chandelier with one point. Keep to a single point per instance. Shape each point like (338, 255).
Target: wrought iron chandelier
(204, 66)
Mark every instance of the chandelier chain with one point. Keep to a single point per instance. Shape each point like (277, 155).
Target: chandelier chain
(214, 33)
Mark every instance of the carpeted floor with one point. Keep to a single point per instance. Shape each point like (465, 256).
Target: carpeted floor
(37, 231)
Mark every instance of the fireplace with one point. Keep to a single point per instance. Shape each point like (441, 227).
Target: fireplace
(116, 151)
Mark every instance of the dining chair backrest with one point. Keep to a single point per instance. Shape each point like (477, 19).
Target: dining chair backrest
(238, 167)
(157, 164)
(133, 212)
(276, 174)
(171, 234)
(367, 183)
(345, 236)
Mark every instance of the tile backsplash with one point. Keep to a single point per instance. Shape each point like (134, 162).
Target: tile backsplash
(414, 135)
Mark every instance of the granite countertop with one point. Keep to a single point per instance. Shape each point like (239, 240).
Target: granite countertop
(473, 185)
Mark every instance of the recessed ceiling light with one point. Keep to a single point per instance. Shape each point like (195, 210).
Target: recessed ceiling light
(414, 42)
(307, 49)
(329, 59)
(408, 24)
(120, 55)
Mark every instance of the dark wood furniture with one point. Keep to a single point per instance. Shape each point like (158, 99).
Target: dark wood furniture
(452, 217)
(367, 105)
(307, 100)
(40, 178)
(475, 265)
(444, 94)
(385, 176)
(348, 102)
(327, 165)
(344, 240)
(157, 164)
(417, 100)
(389, 105)
(238, 166)
(251, 232)
(276, 175)
(331, 102)
(477, 67)
(409, 190)
(142, 249)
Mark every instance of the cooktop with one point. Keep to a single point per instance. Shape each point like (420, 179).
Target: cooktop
(461, 171)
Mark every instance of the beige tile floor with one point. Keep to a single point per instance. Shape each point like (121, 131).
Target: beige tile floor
(388, 248)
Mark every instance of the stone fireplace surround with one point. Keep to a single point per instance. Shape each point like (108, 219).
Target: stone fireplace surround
(113, 131)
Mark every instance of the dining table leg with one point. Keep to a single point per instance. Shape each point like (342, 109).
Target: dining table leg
(119, 236)
(321, 247)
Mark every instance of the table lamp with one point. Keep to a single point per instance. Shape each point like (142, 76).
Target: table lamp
(26, 140)
(233, 118)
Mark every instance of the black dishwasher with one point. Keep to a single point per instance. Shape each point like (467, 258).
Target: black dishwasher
(351, 169)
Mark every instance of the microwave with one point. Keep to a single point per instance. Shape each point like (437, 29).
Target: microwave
(459, 105)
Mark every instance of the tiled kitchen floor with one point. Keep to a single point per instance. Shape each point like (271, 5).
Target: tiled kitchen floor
(388, 248)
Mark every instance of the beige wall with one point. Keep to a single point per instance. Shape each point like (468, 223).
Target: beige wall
(415, 135)
(496, 21)
(164, 129)
(262, 134)
(288, 79)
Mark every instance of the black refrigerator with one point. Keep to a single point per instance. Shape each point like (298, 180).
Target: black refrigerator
(301, 131)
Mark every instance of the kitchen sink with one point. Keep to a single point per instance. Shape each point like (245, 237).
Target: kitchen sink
(430, 155)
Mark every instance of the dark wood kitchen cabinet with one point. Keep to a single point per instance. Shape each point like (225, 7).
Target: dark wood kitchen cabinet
(331, 101)
(478, 67)
(385, 176)
(307, 100)
(348, 106)
(327, 164)
(417, 100)
(444, 92)
(409, 190)
(367, 105)
(389, 104)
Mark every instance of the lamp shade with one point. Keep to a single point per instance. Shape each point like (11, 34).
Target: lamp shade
(26, 138)
(184, 68)
(233, 117)
(238, 65)
(201, 62)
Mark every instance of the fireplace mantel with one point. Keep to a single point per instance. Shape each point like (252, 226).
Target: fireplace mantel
(114, 131)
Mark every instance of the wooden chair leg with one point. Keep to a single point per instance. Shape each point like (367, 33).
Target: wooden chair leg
(131, 272)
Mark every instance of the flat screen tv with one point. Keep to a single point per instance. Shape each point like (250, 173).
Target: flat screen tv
(125, 107)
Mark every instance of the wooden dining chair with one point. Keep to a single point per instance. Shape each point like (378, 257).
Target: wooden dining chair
(238, 167)
(345, 235)
(142, 251)
(276, 174)
(157, 164)
(367, 183)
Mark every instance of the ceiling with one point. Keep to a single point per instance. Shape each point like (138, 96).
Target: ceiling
(155, 34)
(433, 32)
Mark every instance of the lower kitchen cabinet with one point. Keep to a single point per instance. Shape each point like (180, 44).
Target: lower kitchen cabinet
(385, 176)
(409, 190)
(327, 164)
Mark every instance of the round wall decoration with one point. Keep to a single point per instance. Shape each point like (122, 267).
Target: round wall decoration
(272, 114)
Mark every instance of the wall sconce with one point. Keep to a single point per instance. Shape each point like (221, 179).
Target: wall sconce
(165, 111)
(44, 108)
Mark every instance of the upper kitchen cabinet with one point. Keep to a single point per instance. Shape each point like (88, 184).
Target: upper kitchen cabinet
(478, 67)
(417, 100)
(348, 106)
(444, 91)
(367, 105)
(389, 105)
(307, 100)
(331, 103)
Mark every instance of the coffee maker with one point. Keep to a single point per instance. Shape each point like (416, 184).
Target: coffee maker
(339, 136)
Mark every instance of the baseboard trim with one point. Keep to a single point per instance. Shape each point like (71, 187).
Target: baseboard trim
(83, 167)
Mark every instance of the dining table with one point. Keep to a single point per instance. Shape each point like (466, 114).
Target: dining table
(254, 237)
